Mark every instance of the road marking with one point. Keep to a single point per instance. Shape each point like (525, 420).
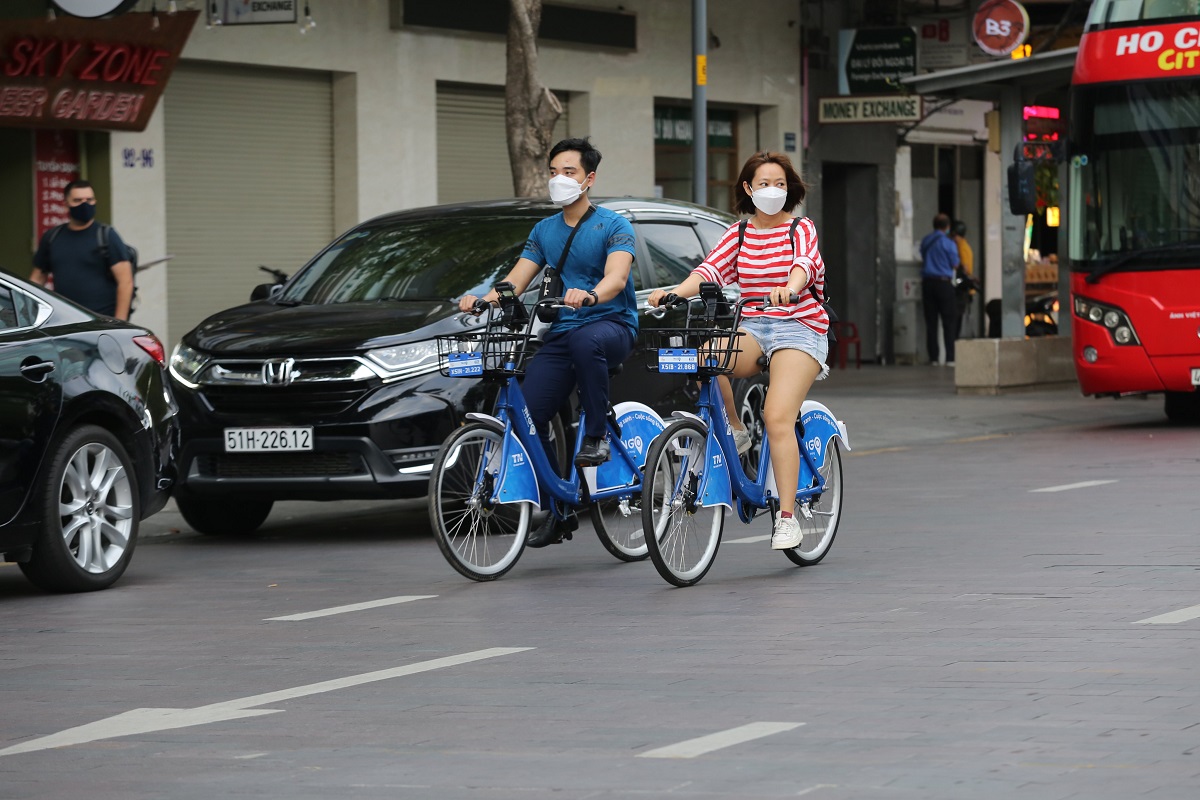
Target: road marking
(716, 741)
(1068, 486)
(149, 720)
(329, 612)
(1182, 615)
(764, 538)
(815, 787)
(987, 437)
(877, 451)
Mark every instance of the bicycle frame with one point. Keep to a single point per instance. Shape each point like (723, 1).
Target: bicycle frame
(525, 470)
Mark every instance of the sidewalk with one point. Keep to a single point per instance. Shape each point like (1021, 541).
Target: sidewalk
(901, 406)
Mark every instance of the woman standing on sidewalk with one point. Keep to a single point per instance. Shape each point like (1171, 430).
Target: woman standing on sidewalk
(775, 256)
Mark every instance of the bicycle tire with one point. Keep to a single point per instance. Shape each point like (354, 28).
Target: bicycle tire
(820, 531)
(458, 494)
(682, 549)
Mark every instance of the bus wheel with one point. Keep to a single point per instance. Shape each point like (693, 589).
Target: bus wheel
(1183, 408)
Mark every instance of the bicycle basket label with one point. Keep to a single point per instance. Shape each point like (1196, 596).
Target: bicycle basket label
(677, 359)
(463, 365)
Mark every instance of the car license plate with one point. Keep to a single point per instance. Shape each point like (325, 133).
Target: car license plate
(465, 365)
(267, 440)
(677, 359)
(1195, 376)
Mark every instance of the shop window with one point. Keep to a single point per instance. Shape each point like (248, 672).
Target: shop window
(675, 251)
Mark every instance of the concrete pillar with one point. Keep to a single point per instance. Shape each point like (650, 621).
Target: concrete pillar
(1012, 235)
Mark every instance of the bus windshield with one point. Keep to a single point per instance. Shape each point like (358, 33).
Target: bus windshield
(1135, 176)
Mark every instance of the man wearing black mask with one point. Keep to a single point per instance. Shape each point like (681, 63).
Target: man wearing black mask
(90, 264)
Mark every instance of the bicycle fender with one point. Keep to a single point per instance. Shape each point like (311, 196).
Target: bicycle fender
(820, 427)
(477, 417)
(639, 425)
(516, 482)
(715, 488)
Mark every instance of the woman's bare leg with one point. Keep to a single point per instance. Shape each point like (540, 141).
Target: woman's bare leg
(792, 375)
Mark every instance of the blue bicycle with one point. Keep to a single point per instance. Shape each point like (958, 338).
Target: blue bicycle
(493, 472)
(693, 473)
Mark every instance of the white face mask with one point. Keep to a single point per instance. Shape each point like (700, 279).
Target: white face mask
(564, 190)
(769, 199)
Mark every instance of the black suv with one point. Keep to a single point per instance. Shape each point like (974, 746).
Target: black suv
(329, 388)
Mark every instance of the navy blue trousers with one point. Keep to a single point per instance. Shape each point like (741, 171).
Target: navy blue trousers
(577, 356)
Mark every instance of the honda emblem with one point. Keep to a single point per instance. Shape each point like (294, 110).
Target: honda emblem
(278, 371)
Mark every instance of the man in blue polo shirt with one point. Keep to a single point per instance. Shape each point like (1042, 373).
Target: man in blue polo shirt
(939, 256)
(599, 329)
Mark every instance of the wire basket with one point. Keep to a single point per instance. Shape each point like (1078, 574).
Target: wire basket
(489, 353)
(696, 351)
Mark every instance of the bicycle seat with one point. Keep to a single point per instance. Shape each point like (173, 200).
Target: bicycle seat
(615, 369)
(764, 361)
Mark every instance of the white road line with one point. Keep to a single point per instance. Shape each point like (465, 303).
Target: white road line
(716, 741)
(1068, 486)
(764, 538)
(1182, 615)
(151, 720)
(329, 612)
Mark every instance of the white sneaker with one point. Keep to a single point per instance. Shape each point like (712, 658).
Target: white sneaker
(741, 437)
(787, 535)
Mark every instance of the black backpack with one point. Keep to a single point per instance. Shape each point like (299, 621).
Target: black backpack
(102, 233)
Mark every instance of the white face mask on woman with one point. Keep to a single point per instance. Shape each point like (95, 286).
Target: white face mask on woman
(564, 190)
(769, 199)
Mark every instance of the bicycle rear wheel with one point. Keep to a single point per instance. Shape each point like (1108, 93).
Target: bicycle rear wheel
(682, 537)
(618, 524)
(826, 513)
(480, 539)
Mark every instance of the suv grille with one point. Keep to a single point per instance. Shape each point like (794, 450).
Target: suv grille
(281, 465)
(293, 401)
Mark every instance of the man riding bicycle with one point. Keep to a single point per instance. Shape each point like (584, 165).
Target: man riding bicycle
(592, 250)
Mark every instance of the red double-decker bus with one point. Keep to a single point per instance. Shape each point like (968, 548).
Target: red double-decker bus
(1133, 211)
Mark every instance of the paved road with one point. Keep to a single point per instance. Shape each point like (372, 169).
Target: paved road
(972, 635)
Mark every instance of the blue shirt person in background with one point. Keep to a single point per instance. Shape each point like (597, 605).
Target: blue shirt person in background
(939, 260)
(96, 278)
(599, 329)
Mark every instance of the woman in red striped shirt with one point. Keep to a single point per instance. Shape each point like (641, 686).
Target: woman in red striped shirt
(776, 256)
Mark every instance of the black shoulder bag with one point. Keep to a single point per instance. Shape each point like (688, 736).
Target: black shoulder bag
(830, 335)
(552, 283)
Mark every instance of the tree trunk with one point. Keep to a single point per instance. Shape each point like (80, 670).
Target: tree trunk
(530, 109)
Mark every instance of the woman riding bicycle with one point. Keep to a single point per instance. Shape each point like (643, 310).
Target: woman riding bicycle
(774, 256)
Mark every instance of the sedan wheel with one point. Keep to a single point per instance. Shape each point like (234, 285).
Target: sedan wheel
(90, 511)
(750, 412)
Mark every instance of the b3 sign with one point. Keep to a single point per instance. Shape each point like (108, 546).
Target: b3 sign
(93, 9)
(1000, 26)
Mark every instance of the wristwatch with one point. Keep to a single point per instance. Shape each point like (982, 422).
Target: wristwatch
(595, 297)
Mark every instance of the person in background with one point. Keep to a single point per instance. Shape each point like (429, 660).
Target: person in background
(85, 270)
(965, 277)
(939, 257)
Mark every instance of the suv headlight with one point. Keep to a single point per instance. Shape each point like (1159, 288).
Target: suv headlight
(405, 360)
(187, 364)
(1113, 319)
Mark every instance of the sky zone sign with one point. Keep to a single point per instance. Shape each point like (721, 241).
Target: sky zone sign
(1124, 54)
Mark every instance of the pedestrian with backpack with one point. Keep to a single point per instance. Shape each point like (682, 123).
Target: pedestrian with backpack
(89, 261)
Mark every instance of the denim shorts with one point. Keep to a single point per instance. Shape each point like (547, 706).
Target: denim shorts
(787, 334)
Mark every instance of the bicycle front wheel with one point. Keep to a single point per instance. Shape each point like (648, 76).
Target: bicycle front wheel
(826, 514)
(618, 524)
(682, 537)
(480, 539)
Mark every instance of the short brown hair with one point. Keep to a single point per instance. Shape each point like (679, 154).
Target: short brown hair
(796, 188)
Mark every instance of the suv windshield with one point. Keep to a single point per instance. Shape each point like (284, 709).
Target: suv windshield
(437, 259)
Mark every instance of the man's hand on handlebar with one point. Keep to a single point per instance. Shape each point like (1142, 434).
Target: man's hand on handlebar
(578, 298)
(470, 304)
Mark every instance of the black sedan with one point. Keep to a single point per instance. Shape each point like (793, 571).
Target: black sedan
(87, 436)
(328, 389)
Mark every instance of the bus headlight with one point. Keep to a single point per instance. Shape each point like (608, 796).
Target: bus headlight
(1112, 318)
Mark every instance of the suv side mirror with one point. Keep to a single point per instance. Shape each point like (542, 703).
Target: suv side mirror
(265, 290)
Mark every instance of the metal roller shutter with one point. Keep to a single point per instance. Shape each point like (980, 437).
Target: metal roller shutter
(249, 173)
(472, 144)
